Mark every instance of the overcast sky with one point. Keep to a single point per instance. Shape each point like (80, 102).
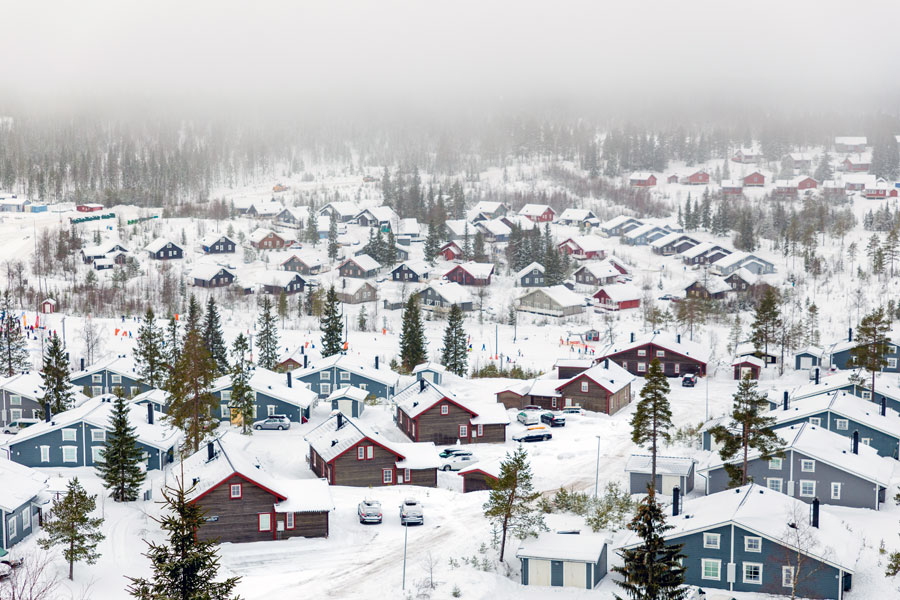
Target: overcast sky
(451, 53)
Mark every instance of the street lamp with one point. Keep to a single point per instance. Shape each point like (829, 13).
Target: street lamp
(597, 470)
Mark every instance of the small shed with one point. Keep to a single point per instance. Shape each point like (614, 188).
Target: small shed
(809, 357)
(431, 371)
(478, 477)
(350, 400)
(671, 472)
(563, 560)
(48, 306)
(747, 364)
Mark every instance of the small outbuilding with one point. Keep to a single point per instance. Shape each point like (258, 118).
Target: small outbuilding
(745, 365)
(350, 400)
(563, 560)
(48, 306)
(671, 472)
(478, 477)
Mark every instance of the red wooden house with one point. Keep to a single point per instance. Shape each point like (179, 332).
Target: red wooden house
(478, 477)
(451, 251)
(747, 365)
(732, 187)
(618, 297)
(471, 273)
(583, 246)
(642, 179)
(538, 213)
(754, 179)
(263, 239)
(746, 156)
(675, 355)
(876, 190)
(48, 306)
(807, 183)
(690, 177)
(89, 207)
(857, 164)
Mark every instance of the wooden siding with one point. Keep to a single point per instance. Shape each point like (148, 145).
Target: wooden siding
(596, 398)
(432, 426)
(347, 470)
(306, 524)
(630, 359)
(475, 482)
(511, 400)
(238, 519)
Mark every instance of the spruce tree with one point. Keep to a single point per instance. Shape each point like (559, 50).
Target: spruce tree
(242, 397)
(454, 354)
(13, 350)
(766, 322)
(71, 526)
(148, 352)
(282, 307)
(479, 254)
(171, 343)
(432, 242)
(333, 245)
(823, 170)
(467, 243)
(312, 226)
(121, 468)
(511, 506)
(55, 377)
(653, 570)
(192, 407)
(362, 322)
(412, 337)
(185, 567)
(871, 351)
(390, 250)
(267, 338)
(748, 428)
(194, 315)
(652, 418)
(213, 338)
(332, 325)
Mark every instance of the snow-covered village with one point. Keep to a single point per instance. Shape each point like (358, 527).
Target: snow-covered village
(422, 302)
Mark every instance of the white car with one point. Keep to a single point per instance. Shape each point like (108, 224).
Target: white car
(411, 512)
(458, 461)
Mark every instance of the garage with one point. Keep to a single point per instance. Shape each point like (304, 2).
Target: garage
(563, 559)
(349, 400)
(539, 572)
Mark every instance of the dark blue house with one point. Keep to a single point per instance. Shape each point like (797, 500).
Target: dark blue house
(531, 276)
(840, 356)
(809, 357)
(163, 249)
(77, 437)
(217, 244)
(104, 377)
(20, 512)
(411, 270)
(325, 375)
(748, 540)
(275, 394)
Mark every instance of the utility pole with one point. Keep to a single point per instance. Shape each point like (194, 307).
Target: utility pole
(405, 536)
(597, 470)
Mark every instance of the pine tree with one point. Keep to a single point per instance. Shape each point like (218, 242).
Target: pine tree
(213, 338)
(194, 315)
(362, 322)
(121, 469)
(186, 567)
(389, 257)
(13, 350)
(467, 243)
(172, 343)
(148, 352)
(871, 352)
(192, 407)
(282, 307)
(412, 337)
(766, 322)
(736, 334)
(823, 170)
(454, 354)
(653, 570)
(812, 325)
(748, 428)
(55, 377)
(432, 242)
(333, 245)
(511, 506)
(652, 418)
(688, 215)
(312, 226)
(706, 211)
(332, 325)
(70, 526)
(242, 397)
(891, 244)
(267, 338)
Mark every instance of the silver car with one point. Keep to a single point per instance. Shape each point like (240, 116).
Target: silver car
(279, 422)
(369, 511)
(411, 512)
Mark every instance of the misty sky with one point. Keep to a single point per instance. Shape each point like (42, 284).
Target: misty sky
(450, 53)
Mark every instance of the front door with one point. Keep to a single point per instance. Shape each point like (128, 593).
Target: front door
(556, 573)
(668, 483)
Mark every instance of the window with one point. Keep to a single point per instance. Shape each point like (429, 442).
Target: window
(45, 453)
(117, 379)
(364, 387)
(774, 464)
(711, 569)
(711, 540)
(752, 544)
(584, 387)
(892, 363)
(808, 466)
(642, 353)
(15, 400)
(463, 431)
(324, 388)
(753, 573)
(773, 483)
(226, 412)
(642, 367)
(96, 390)
(270, 410)
(15, 414)
(325, 375)
(815, 421)
(787, 577)
(866, 441)
(835, 490)
(660, 353)
(361, 453)
(265, 521)
(445, 409)
(406, 475)
(866, 395)
(68, 435)
(11, 527)
(370, 452)
(553, 402)
(226, 396)
(345, 376)
(841, 424)
(96, 454)
(807, 488)
(70, 454)
(26, 519)
(677, 368)
(387, 476)
(98, 378)
(235, 491)
(98, 435)
(289, 520)
(134, 390)
(480, 430)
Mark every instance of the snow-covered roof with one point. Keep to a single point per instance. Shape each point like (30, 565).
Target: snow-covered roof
(665, 340)
(490, 467)
(457, 227)
(211, 238)
(310, 259)
(745, 274)
(26, 384)
(207, 272)
(274, 384)
(767, 513)
(731, 259)
(800, 156)
(849, 140)
(842, 404)
(121, 365)
(267, 208)
(495, 227)
(640, 176)
(277, 278)
(364, 262)
(861, 158)
(699, 249)
(607, 374)
(476, 270)
(486, 206)
(20, 484)
(157, 245)
(489, 413)
(419, 267)
(732, 183)
(408, 226)
(429, 366)
(748, 359)
(570, 547)
(304, 495)
(231, 455)
(421, 395)
(576, 214)
(713, 285)
(544, 387)
(559, 294)
(668, 239)
(348, 363)
(534, 210)
(450, 291)
(600, 270)
(344, 208)
(349, 391)
(588, 243)
(352, 285)
(642, 230)
(617, 221)
(527, 270)
(621, 292)
(101, 249)
(665, 465)
(584, 363)
(260, 234)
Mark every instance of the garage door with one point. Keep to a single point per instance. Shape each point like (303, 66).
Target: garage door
(806, 362)
(346, 407)
(573, 575)
(669, 482)
(538, 572)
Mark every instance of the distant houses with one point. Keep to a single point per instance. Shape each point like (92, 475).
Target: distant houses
(281, 282)
(362, 266)
(163, 249)
(584, 247)
(531, 276)
(212, 276)
(642, 179)
(264, 239)
(337, 371)
(21, 502)
(441, 295)
(850, 143)
(537, 213)
(305, 264)
(618, 297)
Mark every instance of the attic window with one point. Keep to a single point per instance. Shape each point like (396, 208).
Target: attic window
(445, 409)
(235, 492)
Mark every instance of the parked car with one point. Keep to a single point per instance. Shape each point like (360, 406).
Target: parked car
(411, 512)
(532, 407)
(369, 511)
(18, 425)
(535, 433)
(528, 417)
(279, 422)
(689, 380)
(455, 462)
(553, 420)
(5, 572)
(448, 452)
(573, 410)
(667, 297)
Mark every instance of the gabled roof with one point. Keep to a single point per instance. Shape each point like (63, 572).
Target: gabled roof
(158, 244)
(352, 285)
(842, 404)
(348, 391)
(429, 366)
(600, 270)
(212, 238)
(620, 292)
(351, 365)
(421, 395)
(486, 206)
(576, 214)
(663, 340)
(731, 259)
(419, 267)
(344, 208)
(120, 365)
(408, 226)
(617, 221)
(309, 259)
(488, 467)
(379, 213)
(450, 291)
(527, 270)
(745, 274)
(611, 377)
(559, 294)
(278, 278)
(665, 465)
(102, 249)
(713, 285)
(26, 384)
(260, 234)
(207, 272)
(640, 175)
(534, 210)
(670, 238)
(588, 243)
(267, 207)
(20, 484)
(850, 140)
(457, 227)
(495, 227)
(363, 261)
(748, 359)
(581, 547)
(476, 270)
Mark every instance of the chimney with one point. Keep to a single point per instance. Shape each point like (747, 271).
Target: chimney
(605, 363)
(47, 414)
(675, 498)
(678, 338)
(883, 406)
(82, 363)
(289, 379)
(815, 513)
(850, 335)
(340, 420)
(303, 350)
(305, 360)
(817, 375)
(210, 451)
(421, 385)
(150, 413)
(632, 337)
(376, 361)
(785, 399)
(854, 444)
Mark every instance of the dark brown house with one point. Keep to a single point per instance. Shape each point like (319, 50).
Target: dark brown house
(427, 413)
(243, 503)
(537, 392)
(714, 288)
(567, 368)
(677, 356)
(478, 477)
(345, 453)
(604, 388)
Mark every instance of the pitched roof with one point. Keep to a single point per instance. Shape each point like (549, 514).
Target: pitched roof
(419, 267)
(211, 238)
(588, 243)
(664, 340)
(666, 465)
(476, 270)
(617, 221)
(495, 227)
(611, 376)
(349, 364)
(348, 391)
(527, 270)
(559, 294)
(20, 484)
(310, 259)
(713, 285)
(207, 272)
(576, 214)
(600, 270)
(157, 245)
(277, 278)
(534, 210)
(344, 208)
(450, 291)
(640, 175)
(364, 262)
(621, 292)
(429, 366)
(486, 206)
(304, 495)
(581, 547)
(421, 395)
(850, 140)
(260, 234)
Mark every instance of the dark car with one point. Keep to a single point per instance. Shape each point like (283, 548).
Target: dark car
(689, 380)
(553, 420)
(535, 433)
(448, 452)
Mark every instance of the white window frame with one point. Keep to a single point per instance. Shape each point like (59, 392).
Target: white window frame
(712, 541)
(711, 561)
(15, 414)
(775, 463)
(642, 353)
(749, 541)
(771, 480)
(445, 409)
(865, 441)
(289, 520)
(756, 581)
(116, 378)
(360, 453)
(370, 452)
(787, 576)
(11, 527)
(254, 411)
(866, 395)
(324, 388)
(841, 424)
(264, 518)
(324, 375)
(67, 458)
(26, 519)
(225, 411)
(96, 390)
(463, 431)
(642, 367)
(98, 435)
(97, 454)
(836, 487)
(97, 378)
(807, 465)
(345, 376)
(660, 353)
(387, 476)
(807, 482)
(584, 387)
(231, 491)
(225, 395)
(270, 410)
(815, 421)
(892, 363)
(69, 435)
(45, 454)
(364, 387)
(15, 400)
